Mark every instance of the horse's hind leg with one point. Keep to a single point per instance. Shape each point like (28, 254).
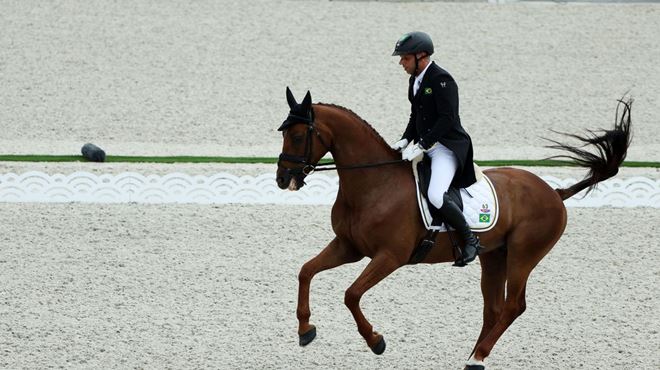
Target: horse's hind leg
(336, 253)
(493, 282)
(379, 268)
(521, 260)
(514, 306)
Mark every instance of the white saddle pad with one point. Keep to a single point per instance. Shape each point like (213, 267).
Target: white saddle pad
(480, 206)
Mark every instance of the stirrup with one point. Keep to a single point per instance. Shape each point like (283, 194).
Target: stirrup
(459, 258)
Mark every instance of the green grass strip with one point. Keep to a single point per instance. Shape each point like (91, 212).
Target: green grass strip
(272, 160)
(137, 159)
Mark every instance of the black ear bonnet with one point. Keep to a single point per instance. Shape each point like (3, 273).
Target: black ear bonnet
(298, 113)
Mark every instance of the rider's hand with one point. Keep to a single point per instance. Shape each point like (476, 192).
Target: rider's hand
(412, 152)
(400, 145)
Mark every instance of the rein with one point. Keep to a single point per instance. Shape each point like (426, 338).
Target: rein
(353, 167)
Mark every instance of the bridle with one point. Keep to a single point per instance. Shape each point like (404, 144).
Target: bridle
(307, 166)
(306, 160)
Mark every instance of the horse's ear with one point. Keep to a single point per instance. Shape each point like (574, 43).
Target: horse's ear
(290, 99)
(307, 101)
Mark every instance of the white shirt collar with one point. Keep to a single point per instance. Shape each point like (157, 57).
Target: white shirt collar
(418, 79)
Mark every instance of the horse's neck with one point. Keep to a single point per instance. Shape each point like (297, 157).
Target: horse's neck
(355, 143)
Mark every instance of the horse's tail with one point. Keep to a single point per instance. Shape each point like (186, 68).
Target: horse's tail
(612, 147)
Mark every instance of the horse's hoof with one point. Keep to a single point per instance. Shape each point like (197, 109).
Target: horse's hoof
(474, 367)
(306, 338)
(379, 348)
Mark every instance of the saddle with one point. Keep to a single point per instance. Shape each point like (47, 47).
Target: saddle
(478, 203)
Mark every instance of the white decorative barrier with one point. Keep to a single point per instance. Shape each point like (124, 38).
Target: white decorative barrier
(630, 192)
(223, 188)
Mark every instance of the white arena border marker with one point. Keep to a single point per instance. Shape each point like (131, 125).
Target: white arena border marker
(225, 188)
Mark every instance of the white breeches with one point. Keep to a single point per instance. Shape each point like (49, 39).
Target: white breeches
(443, 168)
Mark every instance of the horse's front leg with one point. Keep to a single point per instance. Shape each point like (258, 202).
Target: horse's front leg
(336, 253)
(379, 268)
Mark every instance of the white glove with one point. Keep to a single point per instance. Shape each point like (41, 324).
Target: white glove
(400, 145)
(412, 152)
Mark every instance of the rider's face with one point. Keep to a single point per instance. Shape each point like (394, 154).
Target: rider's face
(408, 63)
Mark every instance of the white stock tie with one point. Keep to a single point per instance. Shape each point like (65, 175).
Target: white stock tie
(416, 86)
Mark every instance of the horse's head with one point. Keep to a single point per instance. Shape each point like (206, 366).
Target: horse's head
(302, 145)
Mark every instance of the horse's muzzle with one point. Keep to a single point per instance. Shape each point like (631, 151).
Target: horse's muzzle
(285, 180)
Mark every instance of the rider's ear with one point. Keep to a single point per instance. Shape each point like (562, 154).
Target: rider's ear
(290, 99)
(307, 101)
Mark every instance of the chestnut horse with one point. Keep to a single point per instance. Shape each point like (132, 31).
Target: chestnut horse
(376, 214)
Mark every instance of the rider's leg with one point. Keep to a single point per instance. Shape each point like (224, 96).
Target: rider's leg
(443, 168)
(454, 217)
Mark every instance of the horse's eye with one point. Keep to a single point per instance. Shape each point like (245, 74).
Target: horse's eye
(297, 139)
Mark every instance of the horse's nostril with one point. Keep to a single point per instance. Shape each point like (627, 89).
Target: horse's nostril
(280, 180)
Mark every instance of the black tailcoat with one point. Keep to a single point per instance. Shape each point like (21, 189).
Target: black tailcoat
(434, 118)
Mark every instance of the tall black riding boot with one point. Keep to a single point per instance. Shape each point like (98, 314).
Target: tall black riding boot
(454, 217)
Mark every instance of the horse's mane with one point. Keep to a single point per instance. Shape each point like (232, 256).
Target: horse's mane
(360, 119)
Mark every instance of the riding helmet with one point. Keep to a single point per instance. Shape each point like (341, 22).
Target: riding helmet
(413, 43)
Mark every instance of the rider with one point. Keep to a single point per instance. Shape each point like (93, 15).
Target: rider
(436, 128)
